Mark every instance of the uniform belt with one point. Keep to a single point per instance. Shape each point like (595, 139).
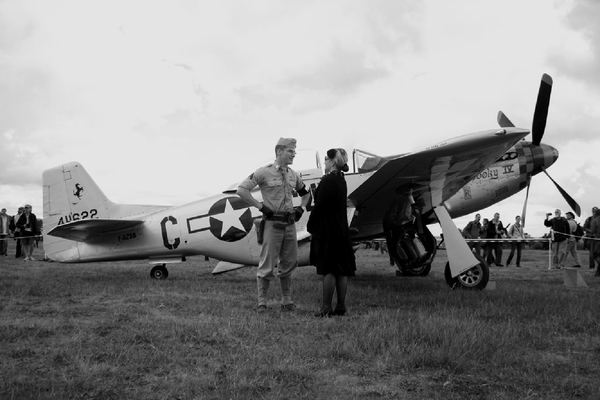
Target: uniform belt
(286, 217)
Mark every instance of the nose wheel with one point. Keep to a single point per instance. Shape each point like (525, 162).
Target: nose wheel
(475, 277)
(159, 272)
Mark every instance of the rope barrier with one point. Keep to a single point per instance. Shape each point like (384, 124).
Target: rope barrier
(381, 245)
(21, 237)
(508, 240)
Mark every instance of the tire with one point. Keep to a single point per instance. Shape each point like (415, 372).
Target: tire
(476, 277)
(159, 272)
(421, 270)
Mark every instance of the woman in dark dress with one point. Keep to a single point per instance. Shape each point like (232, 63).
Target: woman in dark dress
(330, 248)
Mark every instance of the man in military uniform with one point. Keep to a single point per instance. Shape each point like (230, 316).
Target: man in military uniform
(277, 183)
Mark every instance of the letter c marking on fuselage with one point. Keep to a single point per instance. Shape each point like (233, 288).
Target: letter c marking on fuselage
(163, 228)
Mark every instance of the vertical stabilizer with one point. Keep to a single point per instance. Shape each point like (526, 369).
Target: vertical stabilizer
(70, 194)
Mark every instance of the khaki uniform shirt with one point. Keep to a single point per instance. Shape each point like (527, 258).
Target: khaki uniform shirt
(277, 185)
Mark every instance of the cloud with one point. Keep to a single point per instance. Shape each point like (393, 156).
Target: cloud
(167, 102)
(583, 57)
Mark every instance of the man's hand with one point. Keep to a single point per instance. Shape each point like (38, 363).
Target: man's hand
(298, 211)
(266, 211)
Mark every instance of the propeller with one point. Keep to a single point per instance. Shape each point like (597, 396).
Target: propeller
(540, 115)
(525, 203)
(574, 206)
(538, 128)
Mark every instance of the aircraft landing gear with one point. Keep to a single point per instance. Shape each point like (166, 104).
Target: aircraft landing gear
(475, 277)
(159, 272)
(412, 252)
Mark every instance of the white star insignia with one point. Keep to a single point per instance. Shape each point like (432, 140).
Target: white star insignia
(230, 218)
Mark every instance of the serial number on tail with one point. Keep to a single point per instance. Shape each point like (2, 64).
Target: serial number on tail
(77, 216)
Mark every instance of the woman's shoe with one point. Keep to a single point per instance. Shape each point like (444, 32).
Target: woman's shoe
(323, 314)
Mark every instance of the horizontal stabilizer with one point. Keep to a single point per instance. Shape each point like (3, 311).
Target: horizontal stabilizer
(224, 266)
(86, 229)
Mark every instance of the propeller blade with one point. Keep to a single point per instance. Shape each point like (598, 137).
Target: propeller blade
(572, 203)
(525, 204)
(541, 110)
(503, 121)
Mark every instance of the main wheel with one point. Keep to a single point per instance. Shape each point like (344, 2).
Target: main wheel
(421, 270)
(159, 272)
(475, 277)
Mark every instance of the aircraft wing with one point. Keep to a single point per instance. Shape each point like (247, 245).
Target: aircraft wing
(86, 229)
(430, 176)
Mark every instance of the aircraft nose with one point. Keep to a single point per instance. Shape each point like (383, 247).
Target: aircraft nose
(545, 156)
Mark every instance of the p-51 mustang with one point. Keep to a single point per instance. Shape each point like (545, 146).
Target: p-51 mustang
(395, 197)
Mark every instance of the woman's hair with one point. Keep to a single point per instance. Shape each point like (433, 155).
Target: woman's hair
(339, 158)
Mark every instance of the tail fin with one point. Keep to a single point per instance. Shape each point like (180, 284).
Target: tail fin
(71, 197)
(70, 194)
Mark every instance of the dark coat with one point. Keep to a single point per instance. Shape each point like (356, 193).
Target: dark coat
(33, 221)
(330, 247)
(491, 230)
(560, 226)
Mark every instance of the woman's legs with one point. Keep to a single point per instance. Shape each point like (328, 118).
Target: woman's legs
(328, 289)
(341, 286)
(331, 284)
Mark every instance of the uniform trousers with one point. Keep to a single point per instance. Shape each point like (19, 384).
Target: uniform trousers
(279, 250)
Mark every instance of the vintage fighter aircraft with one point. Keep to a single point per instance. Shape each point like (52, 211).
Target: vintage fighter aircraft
(511, 173)
(395, 197)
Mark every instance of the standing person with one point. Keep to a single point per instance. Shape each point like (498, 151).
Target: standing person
(4, 232)
(484, 246)
(473, 231)
(330, 248)
(495, 230)
(515, 232)
(277, 183)
(589, 243)
(595, 233)
(572, 240)
(17, 231)
(28, 224)
(560, 233)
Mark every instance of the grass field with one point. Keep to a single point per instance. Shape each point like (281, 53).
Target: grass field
(108, 331)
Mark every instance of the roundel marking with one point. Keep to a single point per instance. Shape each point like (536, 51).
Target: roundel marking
(230, 219)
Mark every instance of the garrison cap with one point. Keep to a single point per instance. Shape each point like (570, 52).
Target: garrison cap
(287, 142)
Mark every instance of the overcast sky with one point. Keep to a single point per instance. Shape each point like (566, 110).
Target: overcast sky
(168, 102)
